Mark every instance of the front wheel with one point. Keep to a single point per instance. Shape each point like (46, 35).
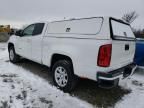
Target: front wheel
(63, 75)
(13, 56)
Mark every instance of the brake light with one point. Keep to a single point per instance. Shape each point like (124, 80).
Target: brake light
(104, 56)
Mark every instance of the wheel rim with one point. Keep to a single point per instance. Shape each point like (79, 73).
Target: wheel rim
(61, 76)
(11, 54)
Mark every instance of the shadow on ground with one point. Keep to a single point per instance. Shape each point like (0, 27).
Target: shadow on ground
(89, 91)
(86, 90)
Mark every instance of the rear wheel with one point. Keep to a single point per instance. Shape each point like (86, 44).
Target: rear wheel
(13, 56)
(63, 75)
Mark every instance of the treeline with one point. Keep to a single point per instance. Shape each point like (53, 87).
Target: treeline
(139, 33)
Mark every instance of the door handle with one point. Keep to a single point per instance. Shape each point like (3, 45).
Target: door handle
(126, 47)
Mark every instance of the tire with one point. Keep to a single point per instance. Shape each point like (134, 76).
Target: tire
(63, 76)
(13, 57)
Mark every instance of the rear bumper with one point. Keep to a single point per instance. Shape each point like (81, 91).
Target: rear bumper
(118, 74)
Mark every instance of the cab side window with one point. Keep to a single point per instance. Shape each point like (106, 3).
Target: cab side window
(29, 30)
(38, 29)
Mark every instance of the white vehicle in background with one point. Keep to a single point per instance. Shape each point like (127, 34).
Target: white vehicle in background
(98, 48)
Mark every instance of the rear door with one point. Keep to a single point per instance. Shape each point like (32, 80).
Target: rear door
(37, 42)
(123, 44)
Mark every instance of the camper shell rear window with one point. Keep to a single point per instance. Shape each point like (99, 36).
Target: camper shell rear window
(121, 30)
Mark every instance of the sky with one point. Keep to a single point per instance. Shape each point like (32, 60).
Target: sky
(19, 12)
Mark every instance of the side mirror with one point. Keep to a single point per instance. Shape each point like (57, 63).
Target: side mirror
(19, 33)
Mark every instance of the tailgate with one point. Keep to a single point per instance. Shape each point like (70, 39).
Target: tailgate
(122, 52)
(123, 43)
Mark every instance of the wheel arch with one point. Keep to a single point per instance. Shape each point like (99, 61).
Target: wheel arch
(56, 57)
(9, 45)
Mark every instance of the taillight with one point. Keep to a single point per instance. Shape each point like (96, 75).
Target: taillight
(104, 57)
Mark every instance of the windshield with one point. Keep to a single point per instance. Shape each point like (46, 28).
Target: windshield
(121, 30)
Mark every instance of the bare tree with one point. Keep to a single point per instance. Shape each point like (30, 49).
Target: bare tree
(130, 17)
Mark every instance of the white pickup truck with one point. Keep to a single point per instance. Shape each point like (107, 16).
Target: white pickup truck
(98, 48)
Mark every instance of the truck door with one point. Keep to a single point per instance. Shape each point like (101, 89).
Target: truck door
(37, 42)
(24, 42)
